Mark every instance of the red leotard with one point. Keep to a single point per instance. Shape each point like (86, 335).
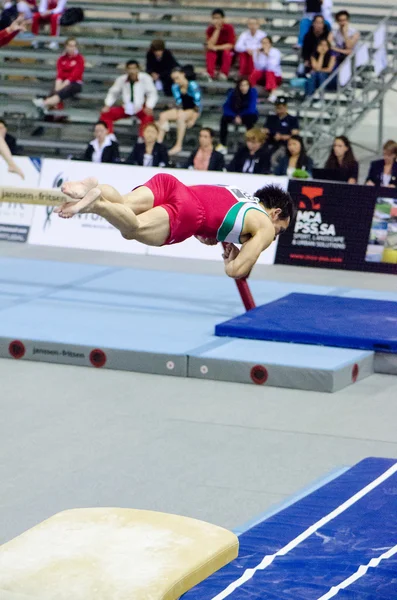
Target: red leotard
(193, 210)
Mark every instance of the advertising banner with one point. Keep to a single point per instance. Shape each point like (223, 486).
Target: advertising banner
(93, 232)
(15, 219)
(341, 226)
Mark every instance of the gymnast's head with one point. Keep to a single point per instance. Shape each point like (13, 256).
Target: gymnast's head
(278, 205)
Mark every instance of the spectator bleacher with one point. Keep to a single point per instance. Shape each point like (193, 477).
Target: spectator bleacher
(115, 31)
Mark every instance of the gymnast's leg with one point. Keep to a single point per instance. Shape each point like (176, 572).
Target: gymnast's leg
(152, 227)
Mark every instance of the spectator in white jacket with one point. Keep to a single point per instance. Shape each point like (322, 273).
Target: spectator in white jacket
(248, 41)
(50, 11)
(267, 68)
(138, 94)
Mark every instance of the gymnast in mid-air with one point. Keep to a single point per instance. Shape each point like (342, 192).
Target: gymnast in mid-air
(164, 211)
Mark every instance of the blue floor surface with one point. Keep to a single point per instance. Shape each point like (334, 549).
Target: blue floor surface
(127, 309)
(338, 541)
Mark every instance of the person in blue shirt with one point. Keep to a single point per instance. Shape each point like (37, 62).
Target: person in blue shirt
(240, 108)
(187, 96)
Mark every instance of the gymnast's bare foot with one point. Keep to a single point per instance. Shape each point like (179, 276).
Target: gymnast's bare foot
(79, 189)
(69, 209)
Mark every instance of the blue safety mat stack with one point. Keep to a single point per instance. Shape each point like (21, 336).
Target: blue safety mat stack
(339, 541)
(325, 320)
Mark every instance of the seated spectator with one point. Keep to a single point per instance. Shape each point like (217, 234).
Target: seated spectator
(8, 34)
(295, 159)
(69, 78)
(322, 64)
(187, 96)
(342, 159)
(9, 139)
(281, 126)
(50, 11)
(221, 38)
(7, 156)
(159, 64)
(138, 95)
(267, 68)
(313, 8)
(384, 172)
(248, 41)
(205, 157)
(345, 37)
(149, 153)
(254, 157)
(240, 108)
(103, 148)
(318, 31)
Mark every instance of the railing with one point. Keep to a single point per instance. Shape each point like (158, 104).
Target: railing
(360, 83)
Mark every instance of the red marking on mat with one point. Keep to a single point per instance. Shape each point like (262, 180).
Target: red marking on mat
(97, 358)
(355, 372)
(259, 374)
(17, 349)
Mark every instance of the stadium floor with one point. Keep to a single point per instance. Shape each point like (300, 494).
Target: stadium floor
(217, 451)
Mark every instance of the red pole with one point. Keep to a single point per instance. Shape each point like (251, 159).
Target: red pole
(244, 291)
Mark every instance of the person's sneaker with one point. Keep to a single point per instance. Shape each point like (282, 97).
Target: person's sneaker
(39, 103)
(53, 46)
(222, 149)
(272, 98)
(35, 44)
(222, 77)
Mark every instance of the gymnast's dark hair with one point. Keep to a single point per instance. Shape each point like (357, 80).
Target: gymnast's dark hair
(272, 196)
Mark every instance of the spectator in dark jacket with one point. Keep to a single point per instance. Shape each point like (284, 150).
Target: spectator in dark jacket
(318, 31)
(295, 160)
(254, 157)
(342, 160)
(9, 139)
(384, 172)
(159, 64)
(240, 108)
(205, 157)
(149, 153)
(103, 148)
(69, 78)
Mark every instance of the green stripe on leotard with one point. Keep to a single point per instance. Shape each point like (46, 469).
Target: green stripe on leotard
(232, 225)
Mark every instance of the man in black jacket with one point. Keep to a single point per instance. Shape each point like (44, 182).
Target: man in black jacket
(159, 64)
(254, 157)
(205, 157)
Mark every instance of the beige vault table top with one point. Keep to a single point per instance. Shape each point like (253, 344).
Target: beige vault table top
(112, 554)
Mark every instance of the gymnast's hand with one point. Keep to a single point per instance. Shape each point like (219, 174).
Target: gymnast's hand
(206, 241)
(230, 253)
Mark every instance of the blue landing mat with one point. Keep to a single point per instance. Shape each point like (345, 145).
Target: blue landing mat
(324, 320)
(343, 535)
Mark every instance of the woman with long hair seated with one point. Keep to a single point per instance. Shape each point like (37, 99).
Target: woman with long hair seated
(240, 108)
(187, 97)
(149, 153)
(296, 159)
(342, 159)
(322, 63)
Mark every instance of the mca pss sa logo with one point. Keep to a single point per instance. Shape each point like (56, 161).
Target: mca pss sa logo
(58, 181)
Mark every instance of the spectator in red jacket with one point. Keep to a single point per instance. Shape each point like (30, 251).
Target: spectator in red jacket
(221, 38)
(69, 80)
(8, 34)
(50, 11)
